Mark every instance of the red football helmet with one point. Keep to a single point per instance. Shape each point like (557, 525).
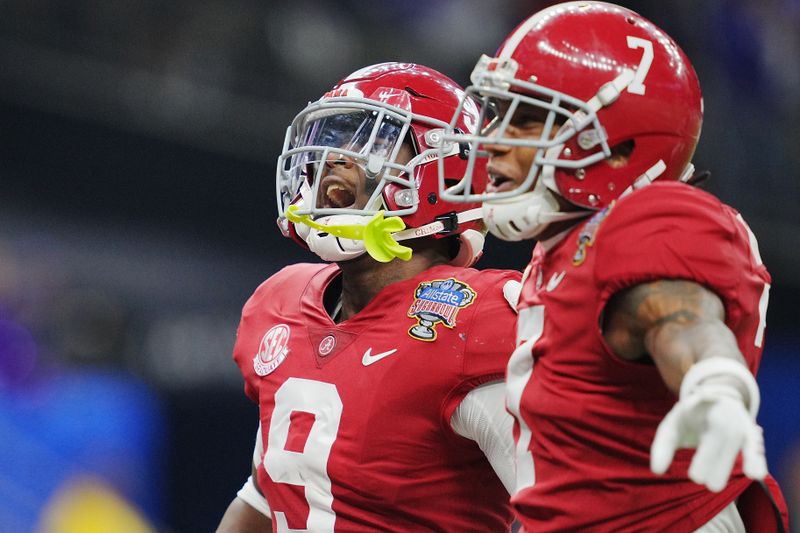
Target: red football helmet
(603, 77)
(366, 118)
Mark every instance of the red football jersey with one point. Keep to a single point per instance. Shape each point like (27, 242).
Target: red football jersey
(585, 419)
(356, 416)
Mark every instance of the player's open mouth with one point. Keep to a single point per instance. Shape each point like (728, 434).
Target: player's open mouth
(336, 193)
(500, 183)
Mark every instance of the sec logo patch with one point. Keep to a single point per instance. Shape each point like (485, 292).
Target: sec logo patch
(273, 349)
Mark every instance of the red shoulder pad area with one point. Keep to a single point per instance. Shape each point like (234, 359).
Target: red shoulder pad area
(492, 332)
(490, 335)
(671, 231)
(282, 289)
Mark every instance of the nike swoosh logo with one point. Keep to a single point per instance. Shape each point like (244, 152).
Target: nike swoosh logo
(555, 280)
(368, 358)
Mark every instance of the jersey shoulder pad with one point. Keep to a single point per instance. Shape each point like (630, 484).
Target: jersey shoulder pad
(670, 230)
(290, 278)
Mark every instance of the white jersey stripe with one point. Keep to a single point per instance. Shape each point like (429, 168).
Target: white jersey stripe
(753, 241)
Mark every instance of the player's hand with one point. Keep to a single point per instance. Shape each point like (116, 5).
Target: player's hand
(713, 418)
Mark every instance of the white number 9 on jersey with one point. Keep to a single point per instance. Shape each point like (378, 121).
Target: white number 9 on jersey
(308, 468)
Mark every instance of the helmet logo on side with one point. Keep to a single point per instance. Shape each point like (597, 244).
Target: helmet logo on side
(395, 97)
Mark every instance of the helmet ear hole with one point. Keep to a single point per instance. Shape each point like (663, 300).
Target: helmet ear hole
(621, 153)
(625, 148)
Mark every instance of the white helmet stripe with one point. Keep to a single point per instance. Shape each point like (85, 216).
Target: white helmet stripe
(515, 38)
(510, 46)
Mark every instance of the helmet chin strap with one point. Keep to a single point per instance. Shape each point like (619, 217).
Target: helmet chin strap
(559, 216)
(526, 216)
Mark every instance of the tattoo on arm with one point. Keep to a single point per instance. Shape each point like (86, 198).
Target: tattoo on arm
(683, 316)
(631, 313)
(674, 323)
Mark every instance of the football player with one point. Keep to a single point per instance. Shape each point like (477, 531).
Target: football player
(378, 376)
(642, 314)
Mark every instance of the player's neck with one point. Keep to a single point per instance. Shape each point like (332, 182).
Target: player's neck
(363, 278)
(556, 232)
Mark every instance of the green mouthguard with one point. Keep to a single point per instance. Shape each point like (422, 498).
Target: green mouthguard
(376, 234)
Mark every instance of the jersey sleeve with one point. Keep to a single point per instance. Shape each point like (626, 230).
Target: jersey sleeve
(492, 331)
(269, 293)
(482, 417)
(239, 356)
(490, 336)
(250, 495)
(675, 231)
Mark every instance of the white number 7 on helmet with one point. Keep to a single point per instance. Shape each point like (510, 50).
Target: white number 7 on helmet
(637, 85)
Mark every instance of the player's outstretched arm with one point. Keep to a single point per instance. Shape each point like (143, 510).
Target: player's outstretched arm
(680, 325)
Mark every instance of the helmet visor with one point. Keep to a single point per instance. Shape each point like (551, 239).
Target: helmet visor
(357, 132)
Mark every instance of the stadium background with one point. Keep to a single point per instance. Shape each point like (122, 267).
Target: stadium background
(137, 151)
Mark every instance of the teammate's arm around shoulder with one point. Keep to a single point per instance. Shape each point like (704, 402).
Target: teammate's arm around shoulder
(680, 325)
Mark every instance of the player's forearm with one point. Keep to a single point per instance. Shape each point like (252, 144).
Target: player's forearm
(677, 323)
(675, 347)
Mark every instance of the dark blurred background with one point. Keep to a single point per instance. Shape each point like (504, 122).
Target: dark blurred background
(138, 142)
